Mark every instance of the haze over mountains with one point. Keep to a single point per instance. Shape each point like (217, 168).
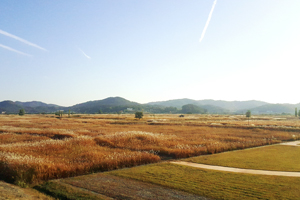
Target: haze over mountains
(119, 105)
(231, 106)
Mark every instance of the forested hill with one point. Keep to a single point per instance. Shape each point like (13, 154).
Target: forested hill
(108, 105)
(121, 105)
(231, 106)
(30, 107)
(274, 109)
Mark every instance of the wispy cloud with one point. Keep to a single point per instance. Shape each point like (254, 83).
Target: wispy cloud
(88, 57)
(21, 40)
(11, 49)
(208, 20)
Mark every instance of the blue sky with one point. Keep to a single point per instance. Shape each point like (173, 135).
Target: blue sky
(69, 52)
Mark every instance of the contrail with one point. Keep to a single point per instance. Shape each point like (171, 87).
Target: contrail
(88, 57)
(21, 40)
(208, 20)
(11, 49)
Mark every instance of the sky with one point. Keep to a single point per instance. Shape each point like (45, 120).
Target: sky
(73, 51)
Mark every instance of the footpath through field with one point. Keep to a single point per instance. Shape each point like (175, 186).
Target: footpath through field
(246, 171)
(294, 143)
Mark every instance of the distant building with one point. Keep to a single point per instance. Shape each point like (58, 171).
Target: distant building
(129, 109)
(3, 112)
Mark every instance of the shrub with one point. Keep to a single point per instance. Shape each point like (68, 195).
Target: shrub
(22, 112)
(139, 115)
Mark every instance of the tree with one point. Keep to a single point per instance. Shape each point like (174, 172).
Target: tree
(296, 112)
(170, 110)
(248, 114)
(22, 112)
(299, 113)
(139, 115)
(59, 113)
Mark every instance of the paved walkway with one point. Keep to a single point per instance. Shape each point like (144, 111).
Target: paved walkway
(246, 171)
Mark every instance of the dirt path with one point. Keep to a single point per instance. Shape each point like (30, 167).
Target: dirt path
(294, 143)
(246, 171)
(238, 170)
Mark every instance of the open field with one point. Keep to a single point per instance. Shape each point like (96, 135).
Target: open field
(275, 157)
(172, 181)
(35, 148)
(214, 184)
(111, 187)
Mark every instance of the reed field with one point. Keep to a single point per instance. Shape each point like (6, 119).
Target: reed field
(34, 148)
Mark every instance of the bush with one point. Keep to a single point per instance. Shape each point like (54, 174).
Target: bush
(22, 112)
(139, 115)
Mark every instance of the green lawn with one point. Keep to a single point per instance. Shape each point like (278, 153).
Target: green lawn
(215, 184)
(275, 157)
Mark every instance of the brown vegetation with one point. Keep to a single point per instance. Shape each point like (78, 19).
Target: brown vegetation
(42, 147)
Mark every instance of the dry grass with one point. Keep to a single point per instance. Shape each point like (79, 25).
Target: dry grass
(189, 141)
(48, 159)
(42, 147)
(10, 138)
(9, 191)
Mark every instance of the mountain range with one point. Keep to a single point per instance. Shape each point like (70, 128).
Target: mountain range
(231, 106)
(119, 105)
